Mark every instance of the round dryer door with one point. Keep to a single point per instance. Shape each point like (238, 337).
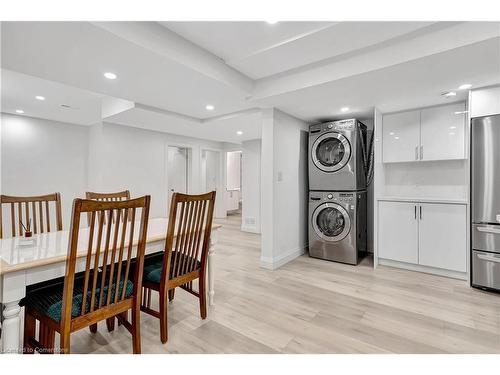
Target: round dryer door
(331, 222)
(331, 152)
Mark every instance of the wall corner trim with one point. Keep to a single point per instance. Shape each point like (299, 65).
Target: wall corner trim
(276, 262)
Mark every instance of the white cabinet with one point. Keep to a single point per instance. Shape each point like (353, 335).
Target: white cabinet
(401, 136)
(436, 133)
(425, 234)
(485, 102)
(398, 232)
(442, 236)
(442, 132)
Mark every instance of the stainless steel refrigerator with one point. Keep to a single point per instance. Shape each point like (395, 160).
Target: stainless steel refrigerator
(485, 173)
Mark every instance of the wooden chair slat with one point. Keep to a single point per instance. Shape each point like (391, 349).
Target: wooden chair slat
(47, 215)
(185, 258)
(99, 242)
(35, 226)
(87, 263)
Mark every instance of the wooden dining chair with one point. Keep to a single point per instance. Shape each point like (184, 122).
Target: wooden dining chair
(110, 284)
(35, 209)
(107, 197)
(184, 259)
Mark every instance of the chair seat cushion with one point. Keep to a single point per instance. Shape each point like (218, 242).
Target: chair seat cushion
(153, 264)
(47, 301)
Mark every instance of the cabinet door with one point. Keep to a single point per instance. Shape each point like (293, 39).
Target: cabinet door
(443, 239)
(401, 136)
(398, 232)
(443, 132)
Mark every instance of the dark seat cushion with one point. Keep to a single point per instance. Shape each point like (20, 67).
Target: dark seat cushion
(47, 300)
(153, 264)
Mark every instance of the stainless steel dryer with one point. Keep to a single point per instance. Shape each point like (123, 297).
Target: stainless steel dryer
(337, 225)
(338, 156)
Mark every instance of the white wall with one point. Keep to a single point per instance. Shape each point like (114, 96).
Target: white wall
(485, 101)
(136, 159)
(41, 157)
(284, 178)
(250, 186)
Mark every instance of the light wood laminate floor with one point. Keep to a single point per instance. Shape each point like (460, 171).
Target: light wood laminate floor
(314, 306)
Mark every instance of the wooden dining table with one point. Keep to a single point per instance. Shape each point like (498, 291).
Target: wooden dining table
(26, 262)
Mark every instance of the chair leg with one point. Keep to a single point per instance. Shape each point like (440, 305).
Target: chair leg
(93, 328)
(65, 342)
(203, 296)
(29, 331)
(110, 323)
(136, 330)
(49, 340)
(171, 294)
(163, 319)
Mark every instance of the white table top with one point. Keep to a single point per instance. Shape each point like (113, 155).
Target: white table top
(16, 254)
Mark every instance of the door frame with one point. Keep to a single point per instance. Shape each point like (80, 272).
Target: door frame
(189, 179)
(220, 209)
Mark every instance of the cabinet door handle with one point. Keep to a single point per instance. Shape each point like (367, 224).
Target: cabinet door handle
(488, 258)
(420, 212)
(415, 212)
(416, 152)
(421, 152)
(488, 230)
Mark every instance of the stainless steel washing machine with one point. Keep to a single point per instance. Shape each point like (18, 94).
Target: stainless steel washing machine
(337, 225)
(338, 156)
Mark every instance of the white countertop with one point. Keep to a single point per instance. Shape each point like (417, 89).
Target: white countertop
(423, 199)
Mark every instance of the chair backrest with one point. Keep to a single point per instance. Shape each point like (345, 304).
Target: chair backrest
(107, 197)
(35, 209)
(188, 234)
(108, 255)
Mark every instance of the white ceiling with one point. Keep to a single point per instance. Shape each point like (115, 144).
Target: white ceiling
(172, 70)
(78, 53)
(19, 91)
(223, 130)
(259, 49)
(414, 84)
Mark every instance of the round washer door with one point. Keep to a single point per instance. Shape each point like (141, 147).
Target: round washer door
(331, 152)
(331, 222)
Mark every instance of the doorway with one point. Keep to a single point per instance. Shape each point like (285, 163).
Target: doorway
(177, 170)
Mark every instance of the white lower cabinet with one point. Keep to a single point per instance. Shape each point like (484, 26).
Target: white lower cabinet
(443, 236)
(426, 234)
(398, 232)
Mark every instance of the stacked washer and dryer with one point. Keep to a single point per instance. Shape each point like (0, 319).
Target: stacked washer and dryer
(339, 161)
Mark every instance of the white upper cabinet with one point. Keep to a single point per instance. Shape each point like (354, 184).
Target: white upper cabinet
(401, 136)
(436, 133)
(443, 132)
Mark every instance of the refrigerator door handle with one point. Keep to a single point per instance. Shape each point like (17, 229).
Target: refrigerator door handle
(489, 230)
(488, 258)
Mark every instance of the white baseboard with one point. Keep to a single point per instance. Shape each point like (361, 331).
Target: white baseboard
(424, 269)
(250, 229)
(275, 263)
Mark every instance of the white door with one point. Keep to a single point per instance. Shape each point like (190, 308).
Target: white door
(443, 240)
(210, 170)
(177, 174)
(443, 132)
(401, 137)
(398, 231)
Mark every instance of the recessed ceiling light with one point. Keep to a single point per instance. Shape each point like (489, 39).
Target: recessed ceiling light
(396, 137)
(39, 97)
(110, 75)
(391, 133)
(272, 22)
(465, 86)
(20, 111)
(239, 132)
(209, 107)
(453, 127)
(449, 94)
(344, 109)
(461, 112)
